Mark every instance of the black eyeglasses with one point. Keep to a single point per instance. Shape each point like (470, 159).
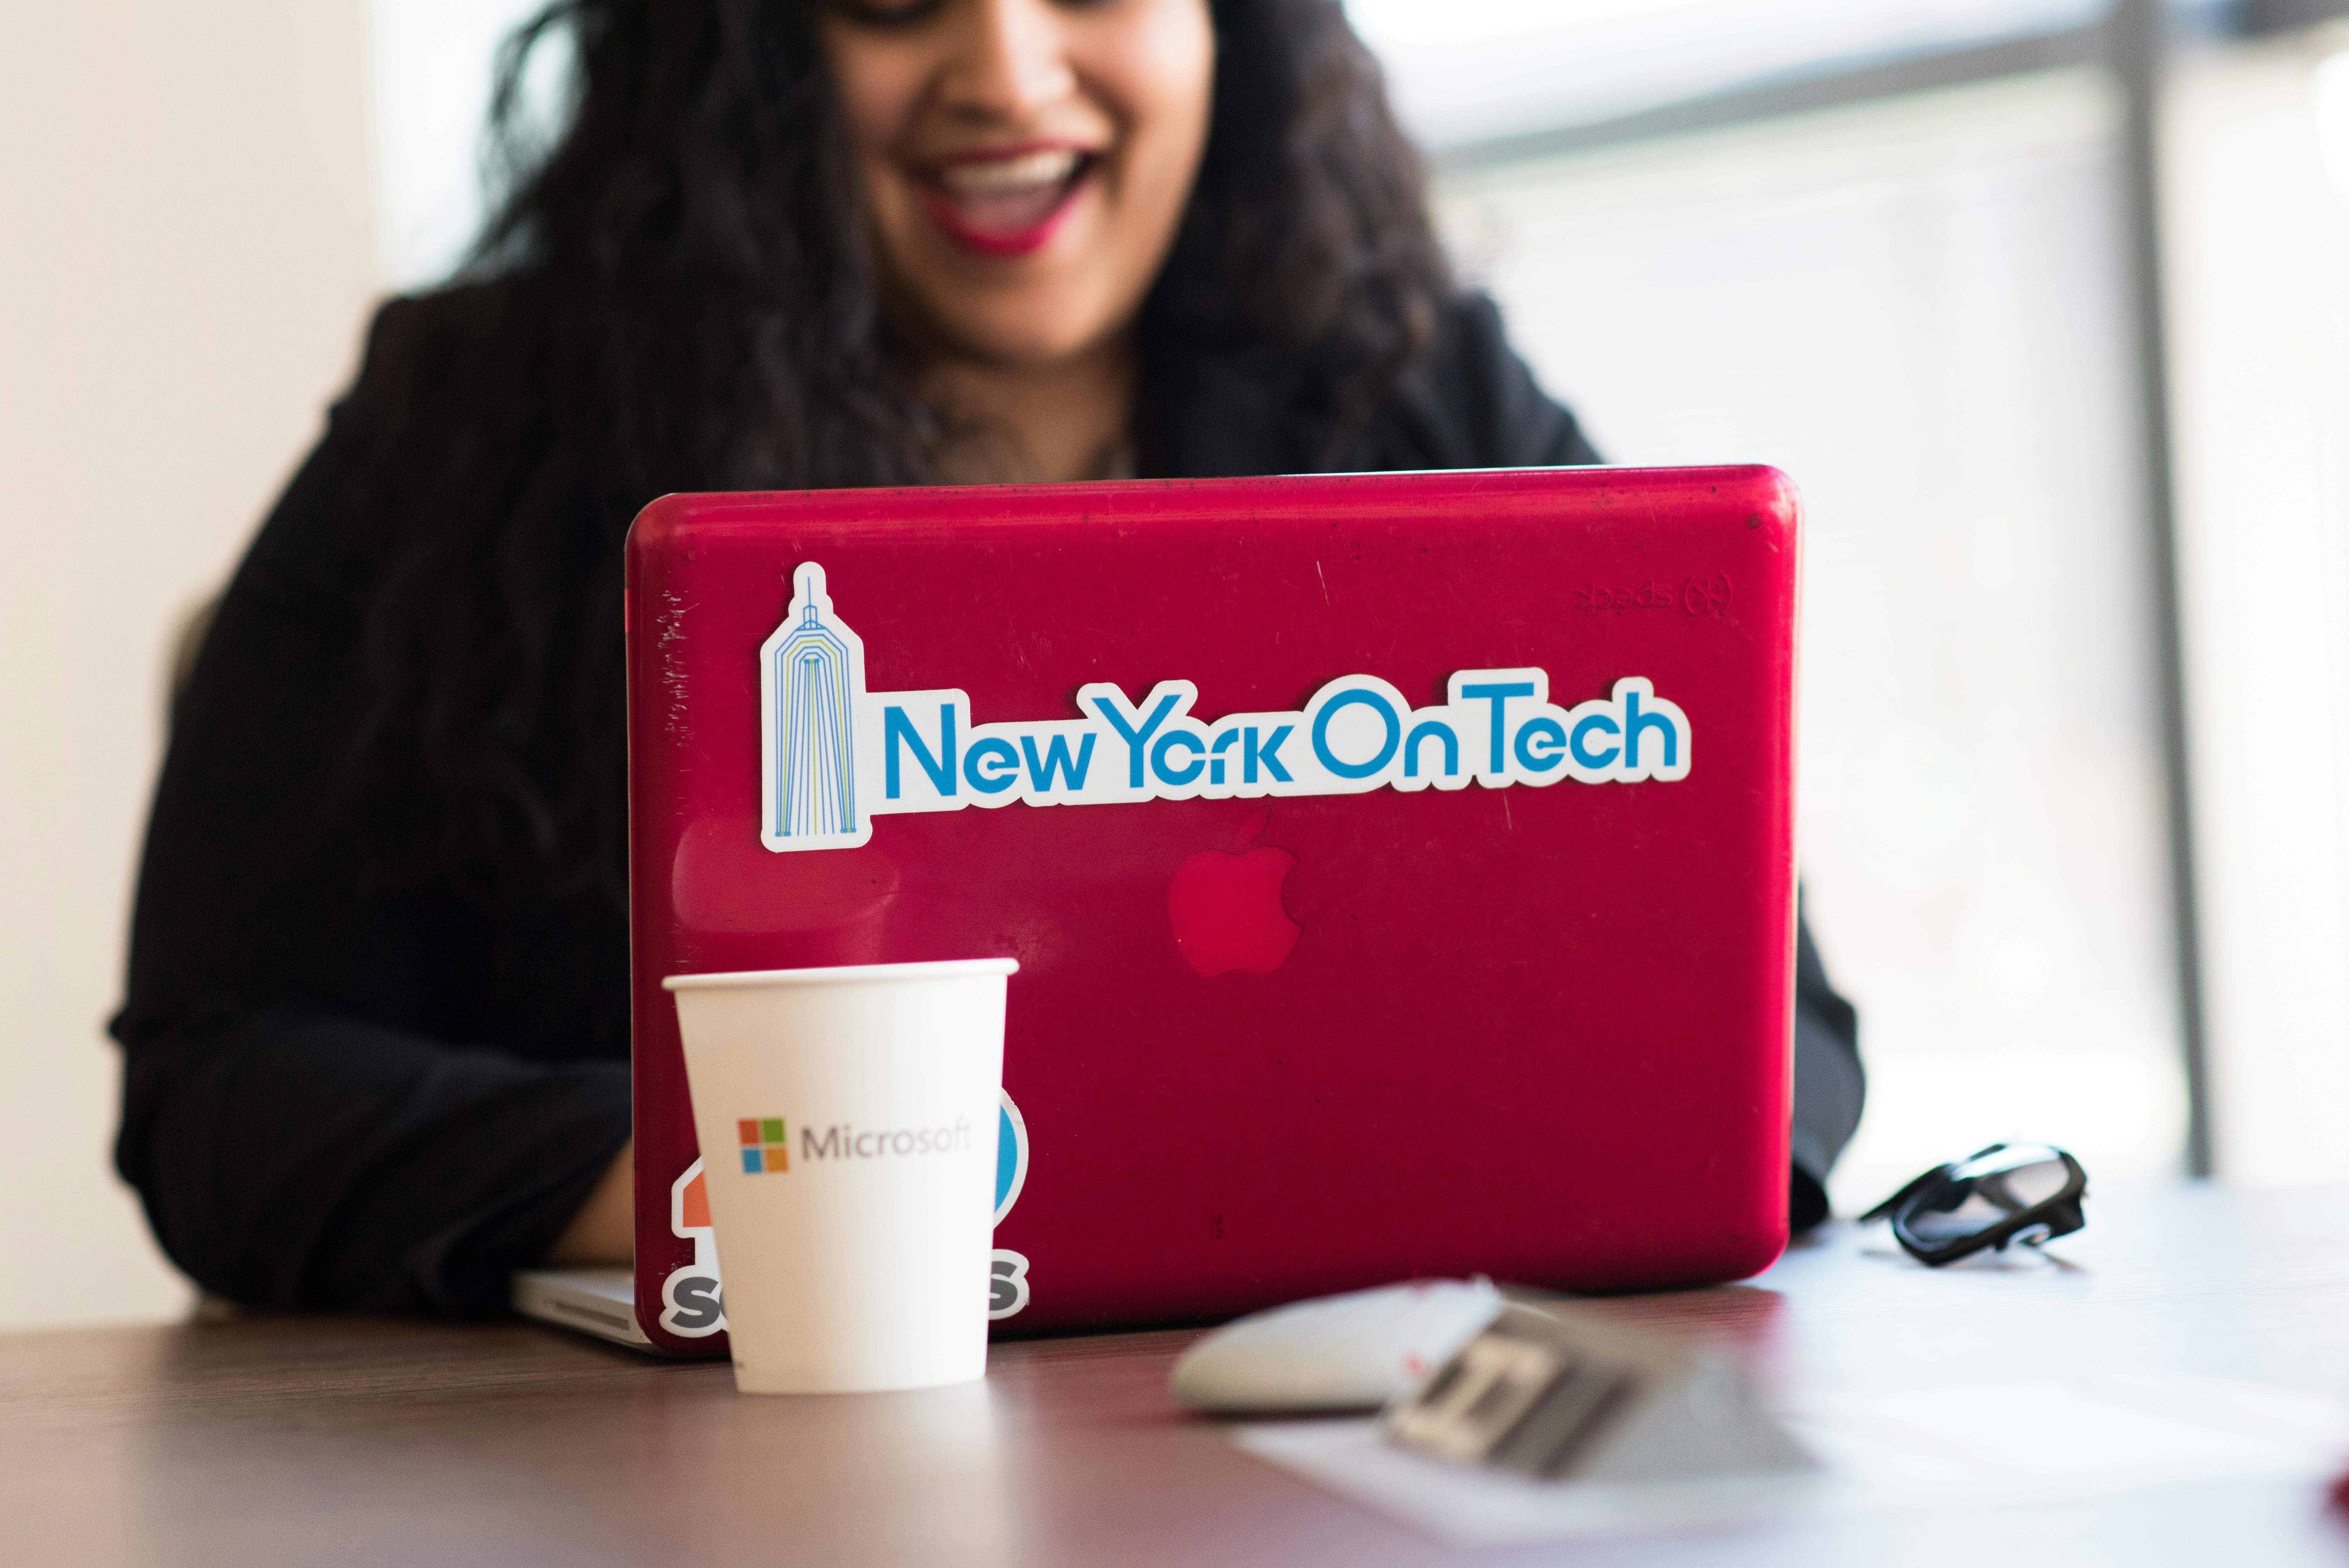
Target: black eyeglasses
(2026, 1193)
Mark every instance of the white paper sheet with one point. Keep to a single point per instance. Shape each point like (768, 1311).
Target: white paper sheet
(1904, 1450)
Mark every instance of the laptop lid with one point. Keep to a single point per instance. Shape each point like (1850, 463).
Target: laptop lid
(1400, 866)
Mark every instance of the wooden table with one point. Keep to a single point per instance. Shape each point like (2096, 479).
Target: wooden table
(350, 1442)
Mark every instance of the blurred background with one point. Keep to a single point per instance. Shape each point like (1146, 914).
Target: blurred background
(2043, 302)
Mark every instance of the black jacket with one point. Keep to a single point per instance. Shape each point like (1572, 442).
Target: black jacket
(390, 1102)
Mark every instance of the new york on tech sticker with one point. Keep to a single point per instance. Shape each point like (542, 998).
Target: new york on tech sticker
(835, 755)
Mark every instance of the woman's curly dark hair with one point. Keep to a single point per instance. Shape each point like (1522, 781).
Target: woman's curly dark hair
(678, 293)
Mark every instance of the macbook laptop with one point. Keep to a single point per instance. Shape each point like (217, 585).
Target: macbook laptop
(1400, 866)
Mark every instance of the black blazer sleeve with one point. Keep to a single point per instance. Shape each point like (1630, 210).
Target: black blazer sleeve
(1829, 1086)
(1476, 404)
(323, 1106)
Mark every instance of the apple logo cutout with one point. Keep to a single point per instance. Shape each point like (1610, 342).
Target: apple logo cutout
(1226, 910)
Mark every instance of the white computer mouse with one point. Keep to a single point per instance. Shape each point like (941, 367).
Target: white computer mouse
(1350, 1351)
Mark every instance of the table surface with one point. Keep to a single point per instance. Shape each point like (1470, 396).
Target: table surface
(354, 1441)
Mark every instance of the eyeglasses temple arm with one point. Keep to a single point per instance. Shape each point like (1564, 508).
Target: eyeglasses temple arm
(1902, 1196)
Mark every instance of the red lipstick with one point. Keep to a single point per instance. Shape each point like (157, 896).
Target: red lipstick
(1008, 201)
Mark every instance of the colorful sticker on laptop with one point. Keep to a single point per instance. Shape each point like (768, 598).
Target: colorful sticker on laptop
(1008, 1271)
(835, 756)
(692, 1300)
(1011, 1157)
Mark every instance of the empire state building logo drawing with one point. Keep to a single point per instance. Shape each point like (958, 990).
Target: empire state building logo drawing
(812, 673)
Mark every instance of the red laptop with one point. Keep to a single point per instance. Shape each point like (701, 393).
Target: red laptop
(1400, 866)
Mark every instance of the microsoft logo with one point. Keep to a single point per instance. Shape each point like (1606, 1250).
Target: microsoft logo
(766, 1146)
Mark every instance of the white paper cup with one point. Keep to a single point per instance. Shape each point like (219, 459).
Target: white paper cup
(855, 1249)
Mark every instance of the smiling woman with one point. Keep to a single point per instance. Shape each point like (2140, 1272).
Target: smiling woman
(376, 1032)
(1024, 167)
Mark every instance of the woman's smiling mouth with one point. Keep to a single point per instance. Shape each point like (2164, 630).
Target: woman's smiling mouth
(1007, 202)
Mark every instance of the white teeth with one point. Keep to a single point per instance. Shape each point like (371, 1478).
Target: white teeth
(1001, 176)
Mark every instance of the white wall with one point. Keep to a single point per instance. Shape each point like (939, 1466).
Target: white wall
(186, 265)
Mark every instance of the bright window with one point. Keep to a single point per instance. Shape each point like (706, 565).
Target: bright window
(1911, 308)
(1466, 69)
